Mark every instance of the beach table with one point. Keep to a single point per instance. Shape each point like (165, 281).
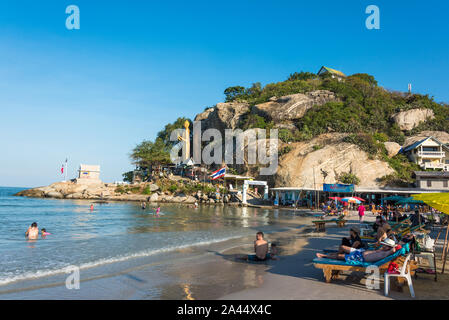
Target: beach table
(320, 225)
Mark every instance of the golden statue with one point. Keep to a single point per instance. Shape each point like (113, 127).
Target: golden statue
(186, 140)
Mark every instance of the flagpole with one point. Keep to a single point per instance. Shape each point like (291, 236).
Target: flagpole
(65, 169)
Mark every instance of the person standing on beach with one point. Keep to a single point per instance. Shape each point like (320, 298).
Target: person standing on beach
(361, 210)
(33, 232)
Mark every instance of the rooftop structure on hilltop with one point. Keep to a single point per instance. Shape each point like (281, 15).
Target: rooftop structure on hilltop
(333, 73)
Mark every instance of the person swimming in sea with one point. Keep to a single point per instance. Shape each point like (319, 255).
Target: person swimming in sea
(44, 233)
(33, 232)
(144, 205)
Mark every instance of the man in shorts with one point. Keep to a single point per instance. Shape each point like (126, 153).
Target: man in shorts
(362, 255)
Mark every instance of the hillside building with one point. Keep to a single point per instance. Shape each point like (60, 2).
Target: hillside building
(428, 153)
(335, 74)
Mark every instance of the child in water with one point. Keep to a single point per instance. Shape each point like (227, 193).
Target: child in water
(44, 233)
(157, 211)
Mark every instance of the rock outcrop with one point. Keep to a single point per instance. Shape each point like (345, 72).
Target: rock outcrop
(293, 106)
(407, 120)
(393, 148)
(297, 168)
(223, 116)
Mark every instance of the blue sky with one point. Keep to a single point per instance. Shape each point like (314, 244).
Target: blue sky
(92, 94)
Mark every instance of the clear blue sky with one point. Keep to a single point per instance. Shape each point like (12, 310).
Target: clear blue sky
(92, 94)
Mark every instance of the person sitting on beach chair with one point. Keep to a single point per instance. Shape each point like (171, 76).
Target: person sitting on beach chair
(353, 241)
(260, 248)
(361, 255)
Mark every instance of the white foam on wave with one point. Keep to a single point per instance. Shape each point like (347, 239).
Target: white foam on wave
(100, 262)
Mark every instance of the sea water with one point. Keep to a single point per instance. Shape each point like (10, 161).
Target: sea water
(114, 232)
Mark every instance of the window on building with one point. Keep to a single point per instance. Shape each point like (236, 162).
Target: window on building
(429, 183)
(445, 184)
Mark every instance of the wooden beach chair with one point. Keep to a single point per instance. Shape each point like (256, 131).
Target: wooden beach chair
(333, 268)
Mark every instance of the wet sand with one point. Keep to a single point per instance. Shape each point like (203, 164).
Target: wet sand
(217, 272)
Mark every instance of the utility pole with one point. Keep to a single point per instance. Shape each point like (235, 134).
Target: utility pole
(314, 187)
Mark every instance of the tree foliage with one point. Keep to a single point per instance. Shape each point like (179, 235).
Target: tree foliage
(148, 153)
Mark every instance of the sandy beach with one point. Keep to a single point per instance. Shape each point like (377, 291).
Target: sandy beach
(216, 272)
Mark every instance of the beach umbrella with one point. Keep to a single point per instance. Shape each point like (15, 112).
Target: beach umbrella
(350, 200)
(360, 199)
(335, 198)
(440, 202)
(393, 198)
(410, 200)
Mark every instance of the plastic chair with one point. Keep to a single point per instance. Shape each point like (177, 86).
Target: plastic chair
(404, 273)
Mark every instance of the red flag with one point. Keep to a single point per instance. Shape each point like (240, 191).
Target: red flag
(62, 169)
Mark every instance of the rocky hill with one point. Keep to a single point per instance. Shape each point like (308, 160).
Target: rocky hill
(351, 126)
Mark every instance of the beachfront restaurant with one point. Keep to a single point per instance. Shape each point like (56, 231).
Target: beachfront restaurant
(308, 197)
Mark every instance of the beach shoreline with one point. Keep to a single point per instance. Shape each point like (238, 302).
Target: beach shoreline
(214, 272)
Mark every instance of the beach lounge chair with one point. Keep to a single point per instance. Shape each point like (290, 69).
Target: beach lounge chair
(332, 267)
(404, 273)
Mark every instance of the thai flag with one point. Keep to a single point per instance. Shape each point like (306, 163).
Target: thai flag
(218, 174)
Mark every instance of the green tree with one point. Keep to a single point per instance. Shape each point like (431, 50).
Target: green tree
(347, 178)
(302, 76)
(128, 176)
(164, 135)
(148, 154)
(233, 93)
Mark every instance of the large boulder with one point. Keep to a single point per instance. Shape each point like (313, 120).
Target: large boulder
(293, 106)
(154, 197)
(392, 148)
(407, 120)
(223, 116)
(54, 194)
(302, 166)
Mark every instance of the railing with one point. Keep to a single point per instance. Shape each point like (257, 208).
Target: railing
(438, 154)
(430, 165)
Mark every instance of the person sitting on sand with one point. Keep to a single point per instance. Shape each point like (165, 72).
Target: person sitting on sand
(260, 248)
(33, 232)
(273, 251)
(354, 240)
(362, 255)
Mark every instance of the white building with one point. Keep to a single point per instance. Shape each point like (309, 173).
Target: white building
(88, 174)
(428, 153)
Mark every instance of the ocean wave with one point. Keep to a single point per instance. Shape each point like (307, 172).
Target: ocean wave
(69, 269)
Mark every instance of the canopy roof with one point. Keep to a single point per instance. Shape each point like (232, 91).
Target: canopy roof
(439, 201)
